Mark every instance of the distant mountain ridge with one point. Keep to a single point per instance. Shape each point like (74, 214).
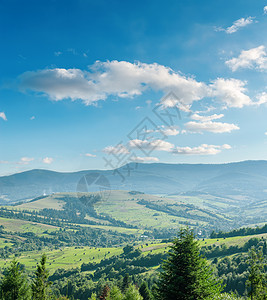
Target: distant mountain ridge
(246, 180)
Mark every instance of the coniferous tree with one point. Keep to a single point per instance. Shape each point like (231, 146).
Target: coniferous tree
(132, 294)
(257, 280)
(14, 285)
(145, 292)
(125, 282)
(41, 284)
(115, 294)
(186, 275)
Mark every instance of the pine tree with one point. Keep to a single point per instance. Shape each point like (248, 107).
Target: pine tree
(257, 280)
(14, 284)
(41, 284)
(186, 275)
(145, 292)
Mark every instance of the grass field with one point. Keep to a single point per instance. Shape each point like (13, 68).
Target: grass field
(69, 257)
(16, 225)
(72, 257)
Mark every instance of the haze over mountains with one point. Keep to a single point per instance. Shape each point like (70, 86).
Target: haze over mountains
(244, 181)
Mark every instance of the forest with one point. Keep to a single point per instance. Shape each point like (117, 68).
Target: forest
(184, 273)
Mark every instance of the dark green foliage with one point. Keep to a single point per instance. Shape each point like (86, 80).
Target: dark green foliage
(145, 292)
(41, 284)
(126, 282)
(239, 232)
(186, 275)
(14, 285)
(257, 279)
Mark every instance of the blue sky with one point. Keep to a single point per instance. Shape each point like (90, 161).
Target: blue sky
(77, 77)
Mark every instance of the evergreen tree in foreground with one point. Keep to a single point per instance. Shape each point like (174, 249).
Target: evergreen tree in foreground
(41, 284)
(14, 284)
(186, 275)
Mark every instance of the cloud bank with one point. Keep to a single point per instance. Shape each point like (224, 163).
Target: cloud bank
(124, 79)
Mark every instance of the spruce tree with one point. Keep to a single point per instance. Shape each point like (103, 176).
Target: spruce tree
(186, 275)
(41, 284)
(115, 294)
(144, 291)
(132, 294)
(14, 285)
(257, 279)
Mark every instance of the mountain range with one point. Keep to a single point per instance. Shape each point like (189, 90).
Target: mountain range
(241, 180)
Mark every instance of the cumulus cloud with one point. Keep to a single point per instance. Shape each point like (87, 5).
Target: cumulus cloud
(124, 79)
(252, 58)
(231, 92)
(144, 159)
(203, 149)
(265, 10)
(237, 25)
(48, 160)
(158, 145)
(215, 127)
(169, 130)
(3, 116)
(112, 78)
(90, 155)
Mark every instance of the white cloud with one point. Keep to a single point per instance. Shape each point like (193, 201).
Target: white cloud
(262, 98)
(215, 127)
(145, 159)
(252, 58)
(231, 92)
(118, 149)
(47, 160)
(158, 145)
(112, 78)
(237, 25)
(203, 149)
(3, 116)
(90, 155)
(124, 79)
(198, 117)
(171, 130)
(265, 10)
(25, 160)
